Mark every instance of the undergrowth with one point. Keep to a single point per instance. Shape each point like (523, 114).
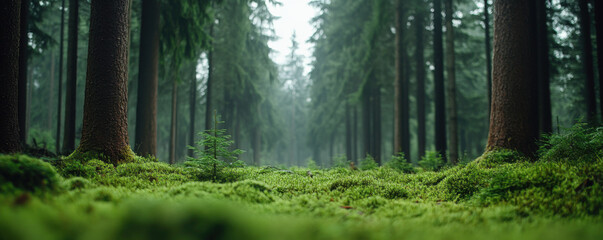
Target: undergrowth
(499, 195)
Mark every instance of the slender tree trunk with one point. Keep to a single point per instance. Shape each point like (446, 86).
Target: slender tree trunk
(399, 82)
(348, 132)
(210, 79)
(23, 59)
(488, 55)
(354, 157)
(544, 93)
(420, 73)
(70, 93)
(511, 123)
(599, 31)
(60, 84)
(51, 91)
(376, 103)
(145, 142)
(174, 120)
(9, 73)
(193, 108)
(105, 128)
(453, 148)
(587, 62)
(438, 55)
(366, 122)
(256, 144)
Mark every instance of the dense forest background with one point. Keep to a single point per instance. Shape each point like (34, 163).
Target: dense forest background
(342, 106)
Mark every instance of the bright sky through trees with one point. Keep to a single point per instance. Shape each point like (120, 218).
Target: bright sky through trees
(294, 15)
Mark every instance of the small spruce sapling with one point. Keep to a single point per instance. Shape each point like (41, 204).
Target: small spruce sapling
(214, 151)
(399, 163)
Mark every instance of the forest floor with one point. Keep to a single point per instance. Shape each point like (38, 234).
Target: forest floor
(498, 196)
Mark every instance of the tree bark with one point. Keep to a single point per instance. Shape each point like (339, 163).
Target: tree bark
(348, 132)
(438, 55)
(599, 31)
(401, 105)
(366, 122)
(193, 108)
(145, 141)
(511, 123)
(60, 83)
(545, 122)
(376, 107)
(354, 157)
(70, 93)
(453, 153)
(587, 62)
(210, 79)
(9, 73)
(420, 73)
(105, 128)
(174, 120)
(488, 56)
(256, 144)
(23, 58)
(50, 91)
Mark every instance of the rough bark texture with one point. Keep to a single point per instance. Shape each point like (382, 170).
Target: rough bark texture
(544, 93)
(599, 32)
(438, 55)
(587, 62)
(70, 87)
(60, 84)
(511, 126)
(105, 128)
(453, 154)
(9, 76)
(420, 73)
(145, 141)
(401, 105)
(23, 57)
(488, 55)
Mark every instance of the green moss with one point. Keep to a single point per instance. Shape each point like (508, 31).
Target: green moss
(23, 173)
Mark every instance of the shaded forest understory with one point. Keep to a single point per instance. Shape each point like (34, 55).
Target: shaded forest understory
(500, 195)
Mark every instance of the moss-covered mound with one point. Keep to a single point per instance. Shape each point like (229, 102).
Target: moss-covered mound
(20, 173)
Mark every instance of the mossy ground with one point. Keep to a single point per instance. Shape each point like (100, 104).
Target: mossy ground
(499, 196)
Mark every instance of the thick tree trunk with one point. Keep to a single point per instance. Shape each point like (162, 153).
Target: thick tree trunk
(23, 59)
(420, 73)
(488, 56)
(145, 142)
(587, 62)
(174, 119)
(60, 84)
(599, 31)
(453, 153)
(105, 128)
(193, 108)
(544, 93)
(71, 86)
(511, 123)
(440, 104)
(9, 73)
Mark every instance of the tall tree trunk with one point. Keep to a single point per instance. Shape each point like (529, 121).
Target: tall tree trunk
(174, 119)
(438, 55)
(488, 56)
(9, 73)
(354, 157)
(70, 93)
(366, 122)
(105, 128)
(256, 144)
(401, 104)
(420, 73)
(210, 79)
(376, 106)
(453, 148)
(511, 123)
(599, 31)
(348, 132)
(145, 141)
(587, 62)
(23, 59)
(60, 84)
(50, 91)
(193, 108)
(544, 93)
